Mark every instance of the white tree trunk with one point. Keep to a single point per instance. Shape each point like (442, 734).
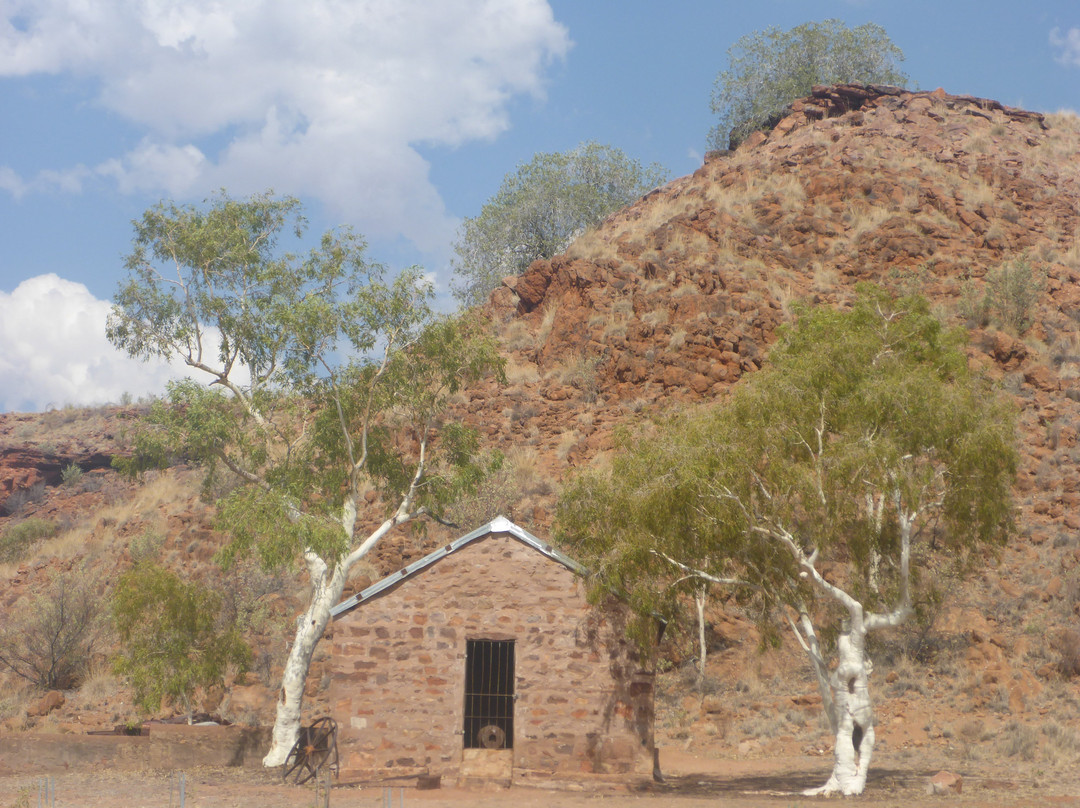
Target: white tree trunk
(854, 716)
(852, 712)
(699, 601)
(326, 589)
(325, 593)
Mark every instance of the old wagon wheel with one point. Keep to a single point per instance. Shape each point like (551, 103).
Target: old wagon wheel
(491, 737)
(315, 747)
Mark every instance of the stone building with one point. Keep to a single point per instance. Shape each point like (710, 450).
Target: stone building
(484, 662)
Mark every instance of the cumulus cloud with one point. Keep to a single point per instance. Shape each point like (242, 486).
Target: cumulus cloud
(55, 351)
(1068, 45)
(156, 166)
(320, 98)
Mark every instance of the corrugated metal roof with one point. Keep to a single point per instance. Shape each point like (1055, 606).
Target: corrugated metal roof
(500, 524)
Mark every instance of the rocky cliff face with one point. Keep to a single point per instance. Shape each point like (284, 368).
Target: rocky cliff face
(675, 298)
(36, 448)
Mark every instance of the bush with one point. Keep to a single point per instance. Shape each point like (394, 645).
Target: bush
(175, 636)
(71, 475)
(974, 305)
(145, 546)
(1012, 291)
(49, 639)
(540, 208)
(1008, 298)
(18, 500)
(16, 541)
(493, 495)
(1018, 740)
(767, 70)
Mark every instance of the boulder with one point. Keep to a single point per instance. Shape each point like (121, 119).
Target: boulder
(53, 700)
(944, 783)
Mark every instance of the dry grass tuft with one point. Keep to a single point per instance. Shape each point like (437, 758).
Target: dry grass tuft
(551, 311)
(595, 244)
(521, 373)
(524, 465)
(567, 441)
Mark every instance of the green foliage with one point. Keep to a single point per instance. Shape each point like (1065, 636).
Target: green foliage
(858, 416)
(48, 639)
(326, 376)
(17, 539)
(1008, 298)
(1013, 289)
(174, 636)
(540, 208)
(145, 546)
(71, 475)
(769, 69)
(188, 262)
(974, 306)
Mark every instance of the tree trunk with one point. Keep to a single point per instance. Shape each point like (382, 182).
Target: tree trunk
(854, 715)
(309, 630)
(325, 593)
(699, 601)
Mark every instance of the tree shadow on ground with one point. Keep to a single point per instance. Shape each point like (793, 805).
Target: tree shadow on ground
(881, 781)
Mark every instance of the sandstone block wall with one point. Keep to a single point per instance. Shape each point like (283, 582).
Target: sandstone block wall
(583, 704)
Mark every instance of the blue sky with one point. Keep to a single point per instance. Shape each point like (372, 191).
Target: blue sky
(397, 117)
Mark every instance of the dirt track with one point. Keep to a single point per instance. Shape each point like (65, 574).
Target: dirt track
(690, 782)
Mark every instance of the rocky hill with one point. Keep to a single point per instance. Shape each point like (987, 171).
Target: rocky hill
(668, 303)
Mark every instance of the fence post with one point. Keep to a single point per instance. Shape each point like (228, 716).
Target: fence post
(181, 782)
(46, 792)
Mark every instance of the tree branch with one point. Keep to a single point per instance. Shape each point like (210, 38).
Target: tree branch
(701, 574)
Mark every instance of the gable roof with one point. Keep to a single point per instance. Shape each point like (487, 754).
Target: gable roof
(500, 524)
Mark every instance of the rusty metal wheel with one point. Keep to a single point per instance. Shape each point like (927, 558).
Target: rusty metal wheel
(491, 737)
(315, 747)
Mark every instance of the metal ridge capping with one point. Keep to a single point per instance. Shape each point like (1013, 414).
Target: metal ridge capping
(500, 524)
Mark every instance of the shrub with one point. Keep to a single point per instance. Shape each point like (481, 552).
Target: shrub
(17, 540)
(540, 208)
(1069, 664)
(974, 306)
(1013, 290)
(71, 475)
(18, 500)
(49, 639)
(1018, 740)
(492, 495)
(145, 546)
(767, 70)
(175, 636)
(1008, 298)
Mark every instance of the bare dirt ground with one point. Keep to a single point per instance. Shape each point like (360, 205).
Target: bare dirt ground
(690, 782)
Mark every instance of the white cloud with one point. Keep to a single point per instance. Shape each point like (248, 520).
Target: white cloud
(322, 98)
(55, 350)
(156, 166)
(1068, 42)
(12, 182)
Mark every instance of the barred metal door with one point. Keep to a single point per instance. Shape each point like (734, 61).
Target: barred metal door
(489, 694)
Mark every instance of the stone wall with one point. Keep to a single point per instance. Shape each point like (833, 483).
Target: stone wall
(168, 746)
(583, 704)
